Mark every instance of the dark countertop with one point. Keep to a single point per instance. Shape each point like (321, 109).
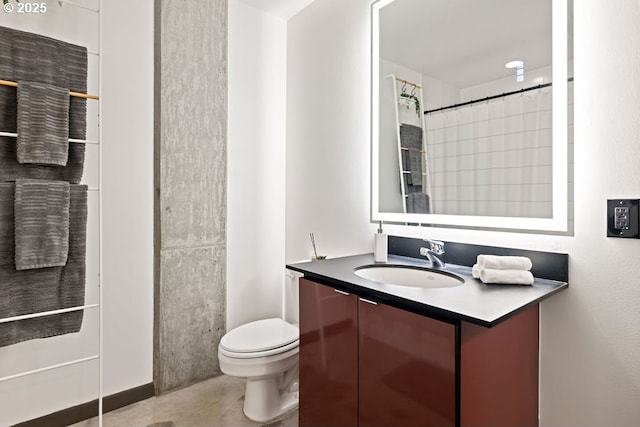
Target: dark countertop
(473, 301)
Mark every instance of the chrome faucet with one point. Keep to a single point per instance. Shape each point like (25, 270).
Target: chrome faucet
(434, 253)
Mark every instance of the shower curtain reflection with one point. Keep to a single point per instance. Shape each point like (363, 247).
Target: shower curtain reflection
(493, 158)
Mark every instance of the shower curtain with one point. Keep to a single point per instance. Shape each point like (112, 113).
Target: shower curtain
(493, 158)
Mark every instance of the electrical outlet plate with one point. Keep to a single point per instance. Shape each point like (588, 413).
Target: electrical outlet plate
(623, 218)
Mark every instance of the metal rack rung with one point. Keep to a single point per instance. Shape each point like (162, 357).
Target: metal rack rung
(48, 368)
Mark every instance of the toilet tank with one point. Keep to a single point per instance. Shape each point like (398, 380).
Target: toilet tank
(290, 296)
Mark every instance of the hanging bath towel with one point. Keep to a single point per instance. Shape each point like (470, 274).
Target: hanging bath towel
(43, 124)
(41, 223)
(42, 289)
(411, 137)
(35, 58)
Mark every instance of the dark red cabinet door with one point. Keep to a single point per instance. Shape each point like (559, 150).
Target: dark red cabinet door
(328, 357)
(499, 373)
(406, 370)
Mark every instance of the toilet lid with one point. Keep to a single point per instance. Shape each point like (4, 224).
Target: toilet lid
(260, 335)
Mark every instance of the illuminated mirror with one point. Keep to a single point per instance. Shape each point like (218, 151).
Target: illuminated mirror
(471, 113)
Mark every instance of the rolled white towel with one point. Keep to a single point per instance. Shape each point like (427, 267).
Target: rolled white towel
(512, 277)
(504, 262)
(475, 271)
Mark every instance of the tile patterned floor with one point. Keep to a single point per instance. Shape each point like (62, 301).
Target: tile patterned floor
(213, 403)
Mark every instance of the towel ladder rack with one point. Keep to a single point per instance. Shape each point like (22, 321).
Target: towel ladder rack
(426, 182)
(71, 93)
(99, 305)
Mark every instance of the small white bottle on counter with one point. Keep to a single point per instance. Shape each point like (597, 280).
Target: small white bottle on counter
(380, 248)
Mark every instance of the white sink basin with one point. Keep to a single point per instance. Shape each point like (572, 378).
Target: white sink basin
(415, 277)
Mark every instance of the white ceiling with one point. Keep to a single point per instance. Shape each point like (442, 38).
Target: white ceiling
(285, 9)
(466, 42)
(463, 42)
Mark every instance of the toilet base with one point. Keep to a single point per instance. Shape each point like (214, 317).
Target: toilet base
(265, 399)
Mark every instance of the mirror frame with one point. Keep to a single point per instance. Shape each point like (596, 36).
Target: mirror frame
(559, 221)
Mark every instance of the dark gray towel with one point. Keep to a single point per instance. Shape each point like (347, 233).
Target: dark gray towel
(417, 203)
(413, 189)
(406, 166)
(32, 57)
(43, 123)
(415, 157)
(36, 58)
(45, 289)
(411, 138)
(41, 223)
(10, 169)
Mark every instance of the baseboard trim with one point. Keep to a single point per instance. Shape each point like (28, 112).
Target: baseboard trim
(88, 410)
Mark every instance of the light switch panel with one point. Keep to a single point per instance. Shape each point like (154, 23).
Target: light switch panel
(623, 218)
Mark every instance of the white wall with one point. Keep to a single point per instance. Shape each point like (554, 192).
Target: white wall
(438, 93)
(128, 193)
(127, 218)
(590, 371)
(328, 154)
(256, 169)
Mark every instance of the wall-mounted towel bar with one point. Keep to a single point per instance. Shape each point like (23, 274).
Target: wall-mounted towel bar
(71, 93)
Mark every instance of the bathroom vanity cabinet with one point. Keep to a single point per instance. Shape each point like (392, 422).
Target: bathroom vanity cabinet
(367, 363)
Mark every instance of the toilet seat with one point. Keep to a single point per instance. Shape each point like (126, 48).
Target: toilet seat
(261, 338)
(258, 354)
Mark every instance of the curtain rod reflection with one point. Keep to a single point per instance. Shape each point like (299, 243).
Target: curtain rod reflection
(489, 98)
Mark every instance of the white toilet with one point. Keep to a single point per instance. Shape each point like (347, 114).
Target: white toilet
(265, 352)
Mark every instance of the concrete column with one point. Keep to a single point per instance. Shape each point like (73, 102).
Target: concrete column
(190, 183)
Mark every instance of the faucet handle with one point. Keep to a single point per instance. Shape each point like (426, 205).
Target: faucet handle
(435, 246)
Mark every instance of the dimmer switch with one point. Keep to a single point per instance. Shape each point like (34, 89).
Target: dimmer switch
(623, 218)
